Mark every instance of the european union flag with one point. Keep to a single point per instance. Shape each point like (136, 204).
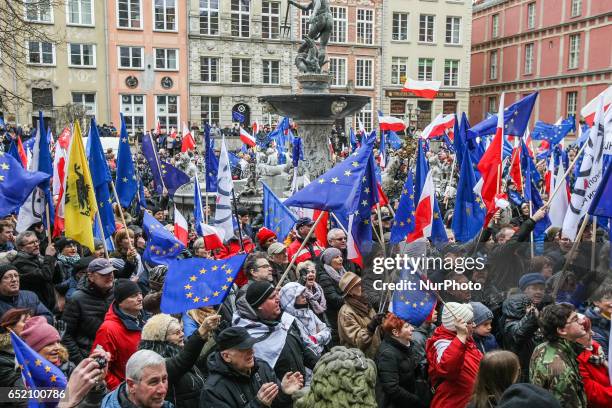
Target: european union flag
(470, 211)
(16, 184)
(127, 182)
(277, 217)
(148, 151)
(394, 140)
(100, 177)
(211, 161)
(403, 223)
(198, 282)
(14, 152)
(45, 164)
(531, 190)
(37, 372)
(340, 189)
(353, 139)
(458, 140)
(553, 133)
(516, 119)
(297, 152)
(413, 305)
(237, 117)
(162, 247)
(173, 177)
(601, 205)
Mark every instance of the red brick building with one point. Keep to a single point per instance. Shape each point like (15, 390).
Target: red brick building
(558, 47)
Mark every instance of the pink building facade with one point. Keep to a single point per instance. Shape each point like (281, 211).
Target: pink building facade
(558, 47)
(147, 63)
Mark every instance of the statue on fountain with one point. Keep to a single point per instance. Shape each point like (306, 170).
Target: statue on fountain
(310, 58)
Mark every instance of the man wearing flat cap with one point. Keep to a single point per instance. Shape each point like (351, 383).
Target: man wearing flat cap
(239, 379)
(312, 249)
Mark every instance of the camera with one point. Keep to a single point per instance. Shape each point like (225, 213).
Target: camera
(100, 360)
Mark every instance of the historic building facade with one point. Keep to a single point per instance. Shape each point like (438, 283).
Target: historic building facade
(426, 40)
(558, 47)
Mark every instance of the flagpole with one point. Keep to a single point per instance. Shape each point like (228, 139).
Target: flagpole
(164, 189)
(99, 221)
(130, 247)
(380, 227)
(569, 168)
(47, 212)
(593, 236)
(238, 220)
(450, 179)
(570, 256)
(531, 233)
(304, 241)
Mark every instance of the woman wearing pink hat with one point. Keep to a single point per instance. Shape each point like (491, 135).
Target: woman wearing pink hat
(45, 340)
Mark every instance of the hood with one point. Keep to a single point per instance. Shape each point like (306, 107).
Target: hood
(288, 294)
(597, 319)
(116, 315)
(245, 310)
(515, 306)
(216, 365)
(163, 348)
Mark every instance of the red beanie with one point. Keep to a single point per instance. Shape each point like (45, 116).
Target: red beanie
(37, 333)
(264, 234)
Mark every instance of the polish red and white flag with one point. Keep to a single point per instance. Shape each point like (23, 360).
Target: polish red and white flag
(424, 89)
(246, 138)
(181, 228)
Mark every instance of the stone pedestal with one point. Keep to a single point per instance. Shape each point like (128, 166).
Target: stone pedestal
(315, 134)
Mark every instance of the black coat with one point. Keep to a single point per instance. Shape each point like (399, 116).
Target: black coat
(227, 388)
(397, 371)
(25, 299)
(334, 299)
(38, 274)
(84, 314)
(185, 381)
(10, 377)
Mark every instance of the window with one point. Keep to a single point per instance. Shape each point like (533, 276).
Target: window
(531, 11)
(209, 109)
(305, 21)
(576, 8)
(82, 55)
(495, 25)
(128, 12)
(165, 15)
(451, 73)
(209, 68)
(574, 51)
(240, 18)
(363, 73)
(133, 109)
(400, 27)
(209, 17)
(453, 27)
(166, 111)
(271, 71)
(88, 100)
(365, 116)
(492, 104)
(38, 11)
(166, 59)
(340, 25)
(426, 28)
(528, 58)
(493, 65)
(241, 70)
(365, 26)
(41, 53)
(337, 69)
(80, 12)
(130, 57)
(399, 70)
(425, 69)
(42, 98)
(572, 99)
(270, 17)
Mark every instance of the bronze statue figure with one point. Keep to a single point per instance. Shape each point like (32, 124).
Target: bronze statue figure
(311, 59)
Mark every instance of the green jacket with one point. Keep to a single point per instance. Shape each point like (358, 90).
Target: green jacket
(554, 367)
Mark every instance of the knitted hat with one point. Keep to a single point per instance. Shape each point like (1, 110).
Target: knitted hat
(527, 395)
(459, 311)
(7, 267)
(264, 234)
(531, 279)
(63, 242)
(348, 281)
(258, 292)
(302, 222)
(37, 333)
(329, 254)
(156, 328)
(124, 288)
(481, 313)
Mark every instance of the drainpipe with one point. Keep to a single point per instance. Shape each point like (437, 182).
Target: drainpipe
(381, 61)
(106, 42)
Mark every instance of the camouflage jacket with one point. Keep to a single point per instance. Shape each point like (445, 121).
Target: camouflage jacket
(554, 367)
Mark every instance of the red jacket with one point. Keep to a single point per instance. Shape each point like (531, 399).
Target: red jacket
(120, 342)
(304, 254)
(232, 248)
(454, 373)
(595, 378)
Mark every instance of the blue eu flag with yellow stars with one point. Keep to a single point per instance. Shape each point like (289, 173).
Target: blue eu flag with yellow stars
(414, 304)
(516, 119)
(16, 184)
(470, 211)
(277, 217)
(403, 223)
(36, 371)
(162, 247)
(197, 282)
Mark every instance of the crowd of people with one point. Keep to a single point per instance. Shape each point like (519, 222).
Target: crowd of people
(535, 334)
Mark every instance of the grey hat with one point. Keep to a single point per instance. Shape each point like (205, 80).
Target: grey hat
(101, 265)
(329, 254)
(481, 313)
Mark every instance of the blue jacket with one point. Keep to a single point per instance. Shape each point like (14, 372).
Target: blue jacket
(25, 299)
(485, 343)
(112, 399)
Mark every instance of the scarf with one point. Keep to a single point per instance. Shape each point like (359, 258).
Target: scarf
(70, 260)
(360, 304)
(334, 274)
(316, 299)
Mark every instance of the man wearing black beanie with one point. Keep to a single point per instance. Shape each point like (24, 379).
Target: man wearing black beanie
(11, 297)
(278, 337)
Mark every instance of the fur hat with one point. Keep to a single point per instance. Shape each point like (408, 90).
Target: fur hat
(453, 310)
(157, 327)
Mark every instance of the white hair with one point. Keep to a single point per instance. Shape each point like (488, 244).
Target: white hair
(331, 234)
(141, 360)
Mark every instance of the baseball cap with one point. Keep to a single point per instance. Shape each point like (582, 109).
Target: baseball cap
(101, 265)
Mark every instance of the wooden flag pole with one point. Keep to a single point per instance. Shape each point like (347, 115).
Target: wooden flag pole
(593, 242)
(569, 257)
(237, 220)
(130, 246)
(569, 168)
(380, 228)
(99, 221)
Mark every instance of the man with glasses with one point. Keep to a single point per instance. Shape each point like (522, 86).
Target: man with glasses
(553, 363)
(7, 236)
(257, 268)
(13, 298)
(336, 238)
(36, 272)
